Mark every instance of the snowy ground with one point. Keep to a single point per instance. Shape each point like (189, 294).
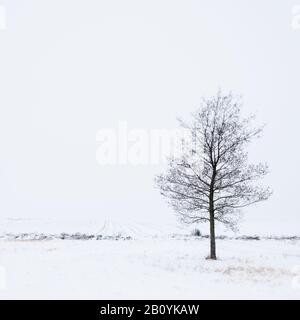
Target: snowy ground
(154, 268)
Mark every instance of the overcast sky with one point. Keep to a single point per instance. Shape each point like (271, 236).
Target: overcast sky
(69, 68)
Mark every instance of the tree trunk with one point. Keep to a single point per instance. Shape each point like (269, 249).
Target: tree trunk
(213, 255)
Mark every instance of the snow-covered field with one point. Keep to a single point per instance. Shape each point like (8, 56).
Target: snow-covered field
(150, 268)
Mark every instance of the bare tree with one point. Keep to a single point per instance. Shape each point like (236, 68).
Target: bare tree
(212, 179)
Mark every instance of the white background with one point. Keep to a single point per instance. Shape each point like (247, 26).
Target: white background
(69, 68)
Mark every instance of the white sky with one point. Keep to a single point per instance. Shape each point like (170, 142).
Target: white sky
(69, 68)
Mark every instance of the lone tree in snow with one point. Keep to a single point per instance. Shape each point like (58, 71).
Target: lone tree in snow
(212, 179)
